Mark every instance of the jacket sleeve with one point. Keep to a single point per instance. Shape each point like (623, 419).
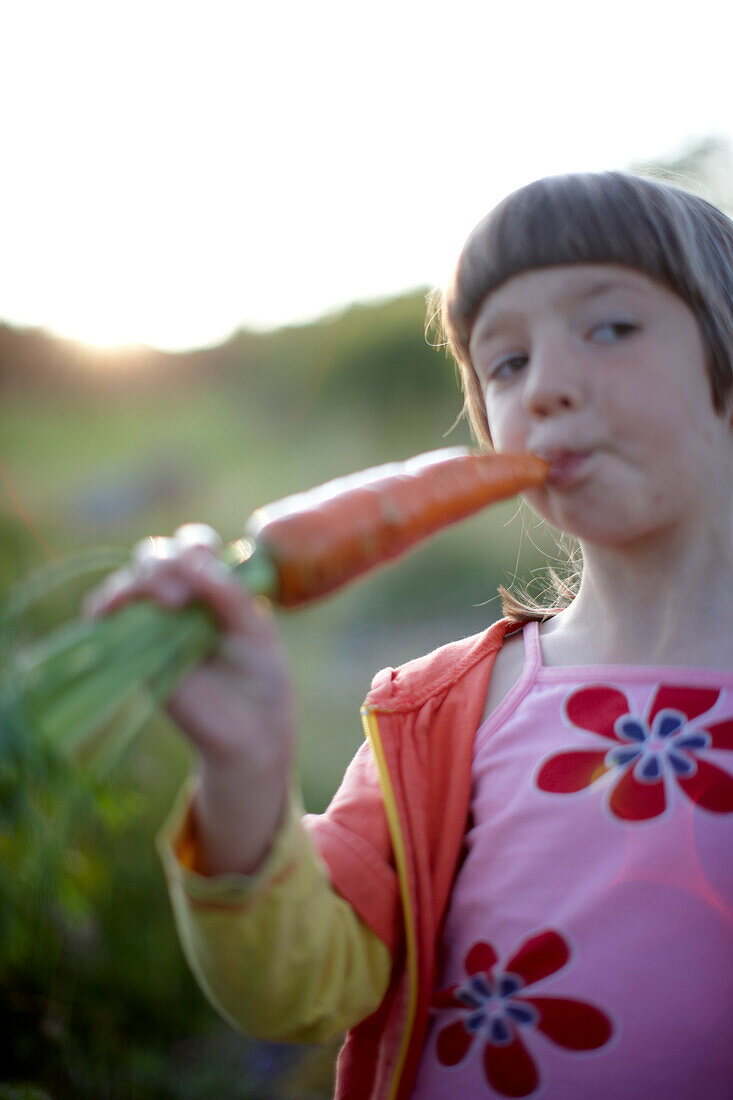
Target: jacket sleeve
(279, 954)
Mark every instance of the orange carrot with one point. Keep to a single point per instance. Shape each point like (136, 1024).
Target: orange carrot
(319, 540)
(72, 685)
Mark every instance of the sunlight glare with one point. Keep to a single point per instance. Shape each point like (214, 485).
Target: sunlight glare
(179, 172)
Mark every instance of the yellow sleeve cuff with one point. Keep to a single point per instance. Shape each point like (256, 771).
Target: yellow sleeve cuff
(177, 847)
(279, 953)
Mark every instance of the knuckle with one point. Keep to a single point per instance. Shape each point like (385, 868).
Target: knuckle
(199, 535)
(155, 548)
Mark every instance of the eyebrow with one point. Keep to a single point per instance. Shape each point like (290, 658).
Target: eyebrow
(509, 317)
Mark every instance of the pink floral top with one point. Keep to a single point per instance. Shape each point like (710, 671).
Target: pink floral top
(588, 949)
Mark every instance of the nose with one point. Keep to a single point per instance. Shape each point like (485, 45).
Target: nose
(554, 383)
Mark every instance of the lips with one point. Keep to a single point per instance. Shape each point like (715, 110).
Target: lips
(567, 465)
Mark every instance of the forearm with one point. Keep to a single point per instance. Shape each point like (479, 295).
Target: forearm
(279, 954)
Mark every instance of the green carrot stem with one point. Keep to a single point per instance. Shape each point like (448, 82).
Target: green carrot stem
(145, 704)
(83, 705)
(95, 649)
(87, 674)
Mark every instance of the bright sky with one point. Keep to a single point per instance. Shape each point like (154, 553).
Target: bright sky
(172, 171)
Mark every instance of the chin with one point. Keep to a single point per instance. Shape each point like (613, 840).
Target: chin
(604, 527)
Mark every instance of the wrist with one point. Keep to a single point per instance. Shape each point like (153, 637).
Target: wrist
(248, 769)
(237, 815)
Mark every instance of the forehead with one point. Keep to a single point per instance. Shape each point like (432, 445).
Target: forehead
(559, 287)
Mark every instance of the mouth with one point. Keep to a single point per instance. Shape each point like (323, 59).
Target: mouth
(567, 467)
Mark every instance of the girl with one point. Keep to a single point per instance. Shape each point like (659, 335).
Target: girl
(522, 886)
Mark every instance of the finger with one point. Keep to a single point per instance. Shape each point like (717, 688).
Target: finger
(190, 534)
(144, 576)
(234, 608)
(147, 578)
(197, 534)
(190, 576)
(156, 548)
(95, 602)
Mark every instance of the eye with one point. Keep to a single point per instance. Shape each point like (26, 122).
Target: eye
(610, 332)
(506, 368)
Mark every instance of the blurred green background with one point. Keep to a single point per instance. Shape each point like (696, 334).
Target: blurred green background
(101, 449)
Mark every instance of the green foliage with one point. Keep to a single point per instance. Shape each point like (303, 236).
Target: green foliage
(96, 1001)
(384, 362)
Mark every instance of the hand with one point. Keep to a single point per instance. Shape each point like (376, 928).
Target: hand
(236, 707)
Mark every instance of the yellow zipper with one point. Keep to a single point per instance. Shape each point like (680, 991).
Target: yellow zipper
(371, 730)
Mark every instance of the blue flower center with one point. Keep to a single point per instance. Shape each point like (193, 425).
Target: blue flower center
(493, 1008)
(669, 744)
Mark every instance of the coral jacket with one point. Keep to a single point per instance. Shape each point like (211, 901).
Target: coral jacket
(402, 812)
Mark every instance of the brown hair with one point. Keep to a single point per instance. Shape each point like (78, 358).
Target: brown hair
(673, 236)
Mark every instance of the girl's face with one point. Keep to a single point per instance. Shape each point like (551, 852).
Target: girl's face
(602, 371)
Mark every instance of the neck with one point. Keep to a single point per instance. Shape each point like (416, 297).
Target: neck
(666, 603)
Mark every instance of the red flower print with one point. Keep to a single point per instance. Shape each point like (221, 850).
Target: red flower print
(666, 742)
(495, 1007)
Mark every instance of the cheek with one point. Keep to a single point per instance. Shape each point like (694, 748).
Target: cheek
(505, 425)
